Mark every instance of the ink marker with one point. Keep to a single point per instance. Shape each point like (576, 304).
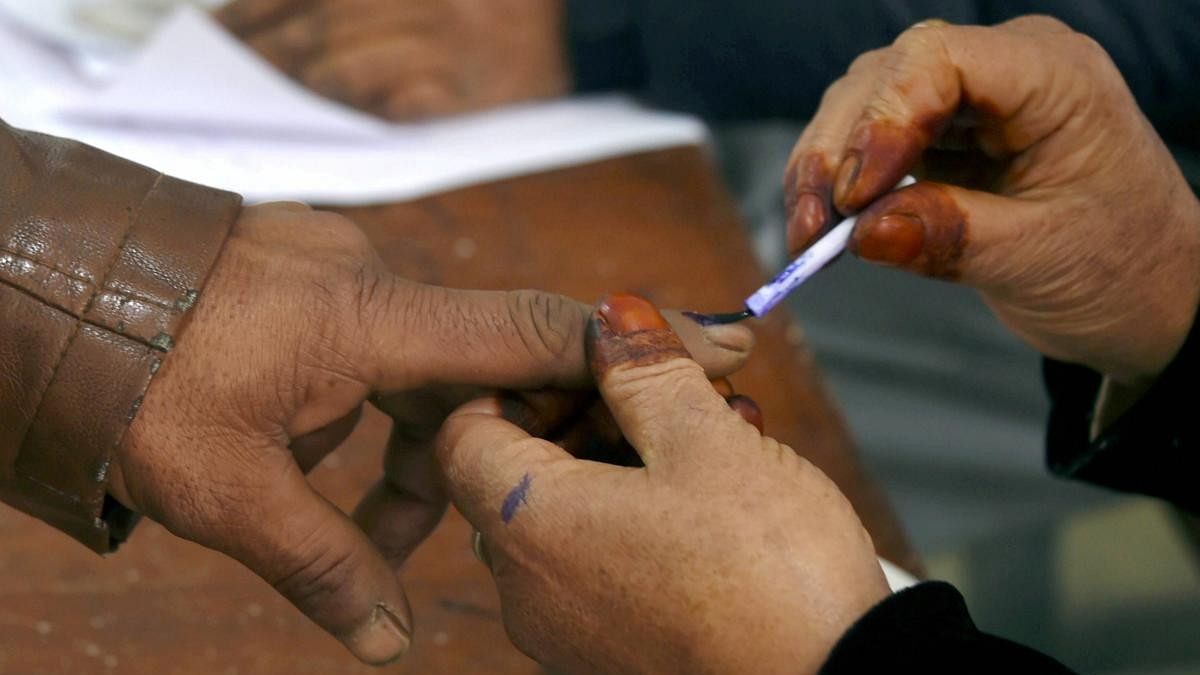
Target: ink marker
(796, 273)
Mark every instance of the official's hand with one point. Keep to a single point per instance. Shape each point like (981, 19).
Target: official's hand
(727, 553)
(1061, 204)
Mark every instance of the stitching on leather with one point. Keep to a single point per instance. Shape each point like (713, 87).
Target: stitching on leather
(70, 275)
(79, 320)
(73, 498)
(153, 302)
(75, 330)
(126, 296)
(116, 256)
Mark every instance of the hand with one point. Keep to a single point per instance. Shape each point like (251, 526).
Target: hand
(406, 59)
(299, 324)
(1066, 212)
(726, 553)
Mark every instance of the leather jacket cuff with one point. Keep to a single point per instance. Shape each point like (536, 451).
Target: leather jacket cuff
(101, 261)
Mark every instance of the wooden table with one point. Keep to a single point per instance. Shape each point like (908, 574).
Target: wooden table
(658, 224)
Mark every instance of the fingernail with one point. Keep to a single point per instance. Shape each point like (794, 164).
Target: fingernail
(627, 329)
(805, 220)
(723, 386)
(847, 176)
(810, 211)
(895, 239)
(730, 337)
(625, 313)
(748, 409)
(385, 638)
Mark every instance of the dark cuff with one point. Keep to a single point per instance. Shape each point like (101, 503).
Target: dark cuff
(1150, 449)
(927, 629)
(604, 45)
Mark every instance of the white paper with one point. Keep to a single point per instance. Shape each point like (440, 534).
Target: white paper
(196, 104)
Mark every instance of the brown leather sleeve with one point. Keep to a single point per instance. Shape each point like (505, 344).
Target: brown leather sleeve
(100, 261)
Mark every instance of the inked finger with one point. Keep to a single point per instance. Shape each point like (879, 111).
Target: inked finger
(418, 335)
(659, 396)
(808, 179)
(932, 70)
(748, 409)
(945, 232)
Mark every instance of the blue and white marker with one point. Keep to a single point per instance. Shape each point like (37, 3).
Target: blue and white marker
(796, 273)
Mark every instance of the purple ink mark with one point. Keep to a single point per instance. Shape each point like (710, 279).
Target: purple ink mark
(707, 320)
(514, 500)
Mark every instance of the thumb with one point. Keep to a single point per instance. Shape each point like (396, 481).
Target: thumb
(946, 232)
(317, 558)
(660, 398)
(492, 468)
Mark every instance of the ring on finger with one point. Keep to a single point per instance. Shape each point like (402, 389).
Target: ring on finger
(480, 550)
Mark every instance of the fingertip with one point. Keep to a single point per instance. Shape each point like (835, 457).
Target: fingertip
(922, 228)
(723, 386)
(879, 154)
(893, 239)
(491, 406)
(628, 330)
(626, 313)
(385, 636)
(811, 214)
(748, 409)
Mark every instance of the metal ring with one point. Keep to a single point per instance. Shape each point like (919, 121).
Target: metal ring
(481, 553)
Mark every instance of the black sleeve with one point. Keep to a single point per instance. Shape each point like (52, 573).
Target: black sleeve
(1152, 448)
(726, 59)
(926, 629)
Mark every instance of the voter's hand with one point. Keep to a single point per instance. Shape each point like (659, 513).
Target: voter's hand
(301, 324)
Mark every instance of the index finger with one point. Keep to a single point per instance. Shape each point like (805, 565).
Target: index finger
(420, 334)
(934, 68)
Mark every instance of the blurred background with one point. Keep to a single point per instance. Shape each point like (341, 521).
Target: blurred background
(947, 407)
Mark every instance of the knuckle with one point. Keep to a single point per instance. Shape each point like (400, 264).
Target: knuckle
(1091, 51)
(923, 38)
(549, 326)
(663, 381)
(1040, 23)
(868, 61)
(312, 579)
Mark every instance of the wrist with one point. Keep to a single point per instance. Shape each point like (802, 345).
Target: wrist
(1177, 303)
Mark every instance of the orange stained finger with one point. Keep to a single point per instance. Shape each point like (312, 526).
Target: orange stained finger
(748, 409)
(659, 397)
(808, 180)
(930, 72)
(945, 232)
(723, 386)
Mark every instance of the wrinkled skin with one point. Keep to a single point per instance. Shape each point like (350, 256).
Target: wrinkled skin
(727, 552)
(1060, 204)
(299, 325)
(411, 59)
